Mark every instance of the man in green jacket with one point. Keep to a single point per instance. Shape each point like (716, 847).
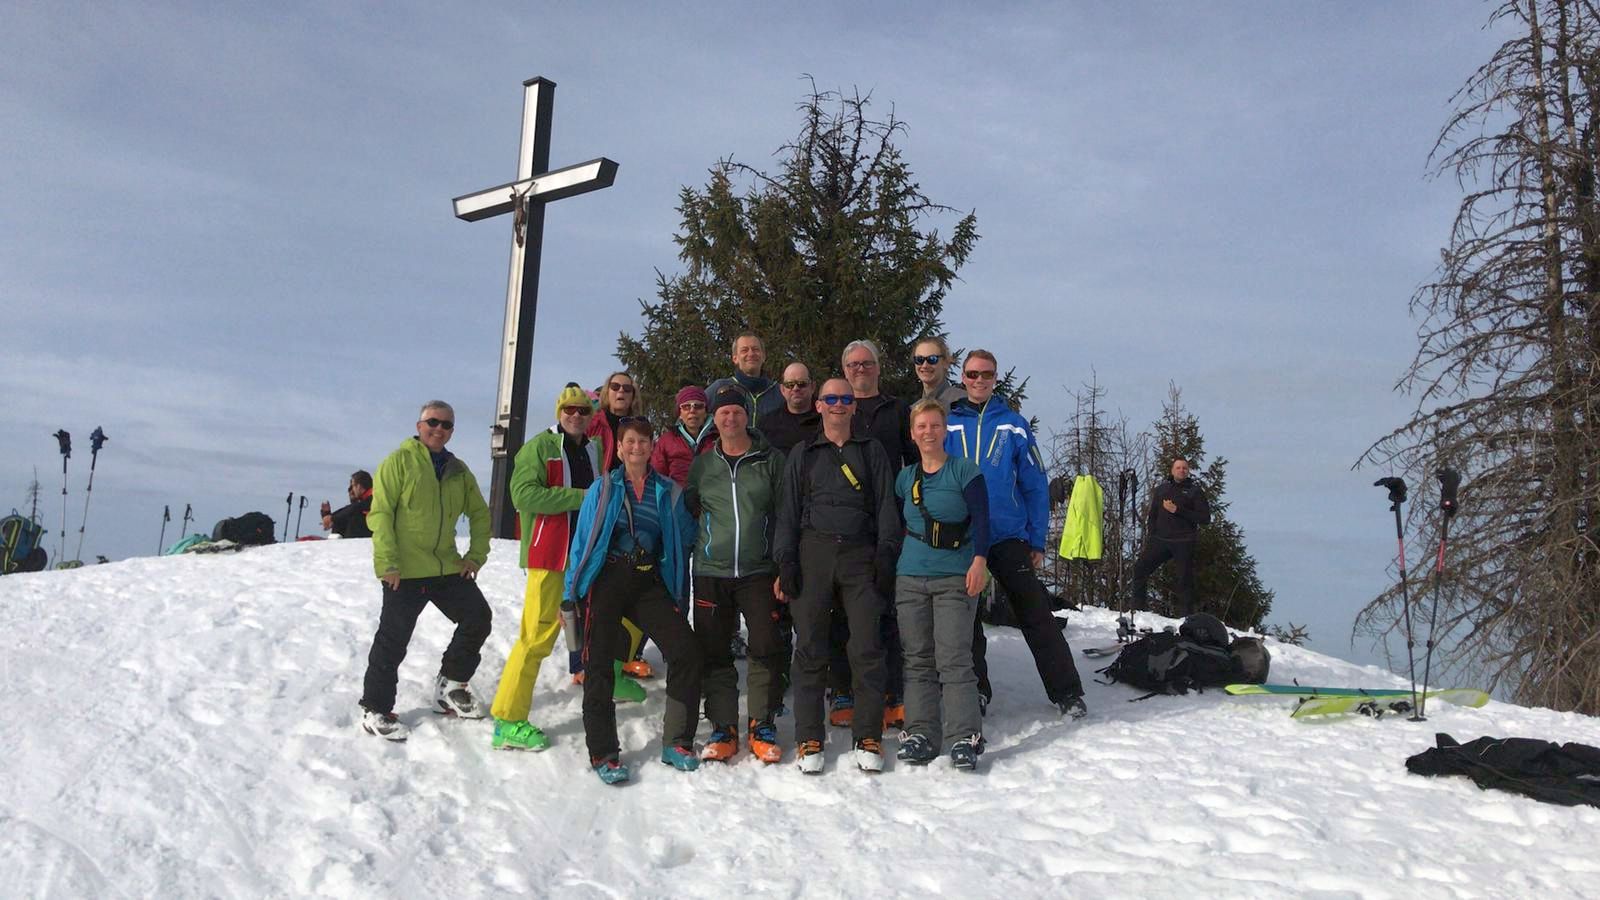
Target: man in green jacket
(733, 492)
(420, 491)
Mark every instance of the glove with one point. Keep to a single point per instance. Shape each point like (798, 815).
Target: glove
(789, 579)
(884, 573)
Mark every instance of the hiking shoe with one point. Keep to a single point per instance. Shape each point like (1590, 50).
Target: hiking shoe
(809, 757)
(964, 753)
(385, 725)
(724, 743)
(610, 769)
(917, 750)
(869, 755)
(680, 757)
(1073, 707)
(894, 713)
(764, 742)
(842, 713)
(638, 668)
(510, 735)
(454, 698)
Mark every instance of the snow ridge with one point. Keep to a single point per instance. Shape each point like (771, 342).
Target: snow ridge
(185, 727)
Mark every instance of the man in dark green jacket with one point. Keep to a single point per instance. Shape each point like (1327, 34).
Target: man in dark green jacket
(420, 491)
(733, 492)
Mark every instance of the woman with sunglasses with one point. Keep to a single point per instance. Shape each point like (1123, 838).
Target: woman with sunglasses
(930, 359)
(630, 559)
(619, 399)
(692, 435)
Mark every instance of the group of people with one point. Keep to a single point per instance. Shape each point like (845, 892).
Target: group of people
(852, 531)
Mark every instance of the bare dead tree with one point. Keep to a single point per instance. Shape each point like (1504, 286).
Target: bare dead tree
(1507, 373)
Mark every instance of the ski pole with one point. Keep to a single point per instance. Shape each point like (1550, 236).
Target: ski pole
(188, 516)
(1397, 496)
(97, 439)
(161, 542)
(288, 507)
(1449, 481)
(299, 516)
(64, 440)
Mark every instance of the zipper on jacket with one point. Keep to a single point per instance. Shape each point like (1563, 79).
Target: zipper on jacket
(733, 483)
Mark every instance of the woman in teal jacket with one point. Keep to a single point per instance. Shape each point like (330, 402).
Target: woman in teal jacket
(630, 557)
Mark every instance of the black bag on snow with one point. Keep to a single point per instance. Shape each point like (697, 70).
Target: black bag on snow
(1254, 660)
(19, 545)
(247, 530)
(1167, 663)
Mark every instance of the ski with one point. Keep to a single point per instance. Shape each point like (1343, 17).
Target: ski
(1377, 706)
(1098, 652)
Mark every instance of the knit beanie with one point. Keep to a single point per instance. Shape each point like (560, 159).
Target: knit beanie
(571, 395)
(691, 393)
(729, 395)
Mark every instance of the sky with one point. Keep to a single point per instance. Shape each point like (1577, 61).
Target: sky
(228, 241)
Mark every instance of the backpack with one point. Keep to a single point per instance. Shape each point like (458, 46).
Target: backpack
(248, 529)
(1254, 660)
(1168, 663)
(19, 545)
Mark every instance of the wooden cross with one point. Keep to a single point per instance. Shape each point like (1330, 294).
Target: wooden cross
(526, 197)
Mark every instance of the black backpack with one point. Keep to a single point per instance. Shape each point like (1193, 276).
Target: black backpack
(1253, 658)
(20, 537)
(246, 530)
(1168, 663)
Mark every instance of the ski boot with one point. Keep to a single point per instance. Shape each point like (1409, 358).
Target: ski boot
(384, 725)
(454, 698)
(808, 756)
(842, 712)
(721, 747)
(764, 742)
(510, 735)
(894, 713)
(869, 755)
(917, 750)
(1073, 707)
(610, 769)
(965, 752)
(680, 757)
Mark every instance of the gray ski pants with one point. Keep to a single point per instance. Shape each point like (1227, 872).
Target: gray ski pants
(936, 618)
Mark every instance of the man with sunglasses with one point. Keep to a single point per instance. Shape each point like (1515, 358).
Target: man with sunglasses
(985, 429)
(749, 354)
(692, 435)
(419, 493)
(548, 480)
(837, 532)
(798, 421)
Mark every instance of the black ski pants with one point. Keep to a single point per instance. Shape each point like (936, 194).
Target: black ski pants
(718, 603)
(1011, 563)
(629, 588)
(460, 601)
(1155, 554)
(894, 661)
(827, 567)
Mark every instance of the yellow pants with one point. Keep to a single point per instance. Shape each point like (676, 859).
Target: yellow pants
(541, 625)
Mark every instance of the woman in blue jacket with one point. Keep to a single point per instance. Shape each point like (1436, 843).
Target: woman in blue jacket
(630, 559)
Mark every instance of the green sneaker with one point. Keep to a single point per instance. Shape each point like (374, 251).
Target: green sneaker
(625, 689)
(518, 736)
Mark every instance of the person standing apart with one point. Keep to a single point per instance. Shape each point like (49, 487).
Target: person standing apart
(837, 532)
(733, 492)
(631, 558)
(1178, 507)
(986, 430)
(942, 569)
(420, 491)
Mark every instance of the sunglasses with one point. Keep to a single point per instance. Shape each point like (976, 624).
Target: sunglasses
(861, 364)
(446, 424)
(620, 388)
(975, 375)
(796, 385)
(577, 410)
(836, 399)
(926, 360)
(692, 406)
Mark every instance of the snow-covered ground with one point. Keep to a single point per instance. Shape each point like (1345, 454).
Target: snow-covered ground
(185, 727)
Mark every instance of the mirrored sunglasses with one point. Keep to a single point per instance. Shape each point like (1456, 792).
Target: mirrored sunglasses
(836, 399)
(975, 375)
(932, 360)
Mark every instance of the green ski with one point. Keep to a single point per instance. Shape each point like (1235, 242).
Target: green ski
(1378, 705)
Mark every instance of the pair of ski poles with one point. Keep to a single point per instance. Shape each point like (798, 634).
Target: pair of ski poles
(1449, 482)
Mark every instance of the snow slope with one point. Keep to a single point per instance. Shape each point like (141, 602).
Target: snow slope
(184, 727)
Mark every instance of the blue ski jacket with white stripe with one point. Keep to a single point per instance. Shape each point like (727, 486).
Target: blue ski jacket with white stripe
(998, 439)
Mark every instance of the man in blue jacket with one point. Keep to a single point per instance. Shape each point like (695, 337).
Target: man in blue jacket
(985, 429)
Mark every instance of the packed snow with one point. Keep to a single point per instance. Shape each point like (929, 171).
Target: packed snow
(186, 727)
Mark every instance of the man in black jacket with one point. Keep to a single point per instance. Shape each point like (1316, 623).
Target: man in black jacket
(797, 422)
(1178, 507)
(350, 521)
(837, 531)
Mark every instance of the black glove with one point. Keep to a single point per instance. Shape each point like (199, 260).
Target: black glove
(789, 580)
(883, 578)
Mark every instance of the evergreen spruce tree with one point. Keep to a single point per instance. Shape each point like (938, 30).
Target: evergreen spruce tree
(834, 247)
(1226, 583)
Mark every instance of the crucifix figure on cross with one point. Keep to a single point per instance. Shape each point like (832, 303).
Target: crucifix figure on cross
(525, 198)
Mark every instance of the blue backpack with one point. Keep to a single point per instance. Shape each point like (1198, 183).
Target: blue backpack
(19, 545)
